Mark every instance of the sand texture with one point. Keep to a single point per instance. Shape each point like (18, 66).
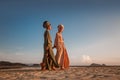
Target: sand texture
(73, 73)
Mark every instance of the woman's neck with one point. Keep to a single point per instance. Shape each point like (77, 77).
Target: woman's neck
(47, 29)
(59, 32)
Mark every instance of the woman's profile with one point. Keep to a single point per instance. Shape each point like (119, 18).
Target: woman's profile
(49, 61)
(61, 55)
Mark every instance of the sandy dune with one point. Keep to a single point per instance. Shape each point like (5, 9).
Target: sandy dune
(73, 73)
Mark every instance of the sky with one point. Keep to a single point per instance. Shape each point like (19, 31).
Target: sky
(91, 34)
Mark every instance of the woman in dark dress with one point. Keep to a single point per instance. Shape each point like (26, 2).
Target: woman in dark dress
(49, 61)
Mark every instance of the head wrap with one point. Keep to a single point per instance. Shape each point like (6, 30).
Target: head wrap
(60, 26)
(45, 24)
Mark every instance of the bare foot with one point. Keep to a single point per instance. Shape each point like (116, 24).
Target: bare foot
(53, 68)
(43, 68)
(62, 68)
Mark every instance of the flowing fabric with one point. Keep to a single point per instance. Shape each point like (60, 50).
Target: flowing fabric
(49, 58)
(61, 55)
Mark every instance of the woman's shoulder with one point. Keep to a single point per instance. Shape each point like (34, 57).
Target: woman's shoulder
(58, 33)
(46, 31)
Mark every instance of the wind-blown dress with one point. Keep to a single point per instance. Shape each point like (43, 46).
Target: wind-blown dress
(49, 58)
(61, 55)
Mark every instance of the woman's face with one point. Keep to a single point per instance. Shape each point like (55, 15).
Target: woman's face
(60, 29)
(48, 26)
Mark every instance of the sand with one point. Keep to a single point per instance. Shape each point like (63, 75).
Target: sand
(73, 73)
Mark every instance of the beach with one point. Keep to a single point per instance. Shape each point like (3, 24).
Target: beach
(73, 73)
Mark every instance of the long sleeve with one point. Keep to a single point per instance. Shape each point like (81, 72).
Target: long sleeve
(48, 41)
(56, 40)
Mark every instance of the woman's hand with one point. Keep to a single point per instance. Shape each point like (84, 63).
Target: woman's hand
(46, 54)
(47, 48)
(53, 47)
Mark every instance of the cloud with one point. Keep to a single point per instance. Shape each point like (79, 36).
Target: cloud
(86, 59)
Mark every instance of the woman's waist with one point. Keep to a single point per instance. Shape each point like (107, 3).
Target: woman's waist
(47, 44)
(60, 42)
